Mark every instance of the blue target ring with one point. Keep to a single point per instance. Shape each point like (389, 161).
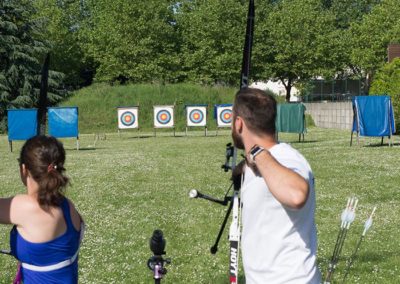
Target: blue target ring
(226, 116)
(196, 116)
(128, 118)
(164, 117)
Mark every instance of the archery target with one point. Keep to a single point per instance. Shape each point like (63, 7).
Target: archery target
(128, 118)
(163, 116)
(224, 116)
(196, 115)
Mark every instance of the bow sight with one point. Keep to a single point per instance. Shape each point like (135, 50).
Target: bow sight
(229, 153)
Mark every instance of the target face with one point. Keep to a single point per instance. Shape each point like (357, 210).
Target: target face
(196, 115)
(163, 116)
(128, 118)
(224, 116)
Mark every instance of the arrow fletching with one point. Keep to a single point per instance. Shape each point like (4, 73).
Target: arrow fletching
(368, 223)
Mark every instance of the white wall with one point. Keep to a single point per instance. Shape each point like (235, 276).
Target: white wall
(276, 87)
(331, 114)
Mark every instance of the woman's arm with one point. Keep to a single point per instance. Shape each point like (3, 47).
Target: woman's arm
(5, 207)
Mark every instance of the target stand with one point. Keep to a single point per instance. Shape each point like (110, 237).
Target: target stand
(196, 116)
(163, 117)
(223, 114)
(128, 118)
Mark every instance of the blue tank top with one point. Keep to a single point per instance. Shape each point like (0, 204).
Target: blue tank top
(48, 253)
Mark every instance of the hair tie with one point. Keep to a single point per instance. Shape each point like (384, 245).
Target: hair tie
(51, 167)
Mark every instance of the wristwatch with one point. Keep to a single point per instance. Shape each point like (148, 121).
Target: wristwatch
(254, 152)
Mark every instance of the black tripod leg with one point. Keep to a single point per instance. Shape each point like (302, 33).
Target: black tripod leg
(214, 248)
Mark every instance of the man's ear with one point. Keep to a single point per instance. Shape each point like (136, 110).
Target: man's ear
(24, 171)
(238, 124)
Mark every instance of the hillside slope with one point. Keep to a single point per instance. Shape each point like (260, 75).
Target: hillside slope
(97, 104)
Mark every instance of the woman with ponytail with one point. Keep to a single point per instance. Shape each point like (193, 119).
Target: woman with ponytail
(47, 227)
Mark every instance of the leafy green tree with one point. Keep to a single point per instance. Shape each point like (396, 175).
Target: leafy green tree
(298, 41)
(132, 40)
(213, 34)
(387, 81)
(21, 53)
(371, 36)
(348, 13)
(62, 24)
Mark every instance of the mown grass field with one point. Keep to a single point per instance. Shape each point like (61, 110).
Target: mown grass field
(125, 187)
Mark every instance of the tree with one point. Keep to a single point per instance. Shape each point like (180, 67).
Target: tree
(132, 40)
(62, 24)
(387, 82)
(21, 53)
(212, 40)
(298, 42)
(371, 36)
(347, 14)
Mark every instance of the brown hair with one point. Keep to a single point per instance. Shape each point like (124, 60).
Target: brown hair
(44, 157)
(257, 108)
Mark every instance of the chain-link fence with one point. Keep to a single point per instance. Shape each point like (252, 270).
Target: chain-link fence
(334, 90)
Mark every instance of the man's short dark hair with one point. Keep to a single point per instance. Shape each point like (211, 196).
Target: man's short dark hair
(257, 109)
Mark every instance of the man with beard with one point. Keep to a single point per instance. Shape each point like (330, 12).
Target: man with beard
(279, 240)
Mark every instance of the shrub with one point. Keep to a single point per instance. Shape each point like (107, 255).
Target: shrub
(387, 81)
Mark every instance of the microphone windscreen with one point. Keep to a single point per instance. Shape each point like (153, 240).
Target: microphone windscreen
(157, 243)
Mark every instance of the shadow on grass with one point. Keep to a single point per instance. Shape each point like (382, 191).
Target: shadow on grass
(83, 149)
(301, 142)
(138, 137)
(363, 257)
(375, 145)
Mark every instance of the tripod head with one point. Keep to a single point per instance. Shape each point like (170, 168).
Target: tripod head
(156, 262)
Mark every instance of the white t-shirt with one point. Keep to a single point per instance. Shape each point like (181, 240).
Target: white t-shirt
(279, 244)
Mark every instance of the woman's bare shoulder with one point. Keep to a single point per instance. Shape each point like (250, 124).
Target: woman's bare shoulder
(21, 206)
(75, 216)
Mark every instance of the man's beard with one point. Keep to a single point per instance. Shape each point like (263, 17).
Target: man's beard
(237, 139)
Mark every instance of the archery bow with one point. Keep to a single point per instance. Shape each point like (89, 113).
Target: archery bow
(234, 202)
(234, 230)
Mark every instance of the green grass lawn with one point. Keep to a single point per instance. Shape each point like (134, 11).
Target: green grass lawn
(125, 187)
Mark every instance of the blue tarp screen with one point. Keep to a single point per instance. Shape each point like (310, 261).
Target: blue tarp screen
(373, 116)
(22, 124)
(63, 122)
